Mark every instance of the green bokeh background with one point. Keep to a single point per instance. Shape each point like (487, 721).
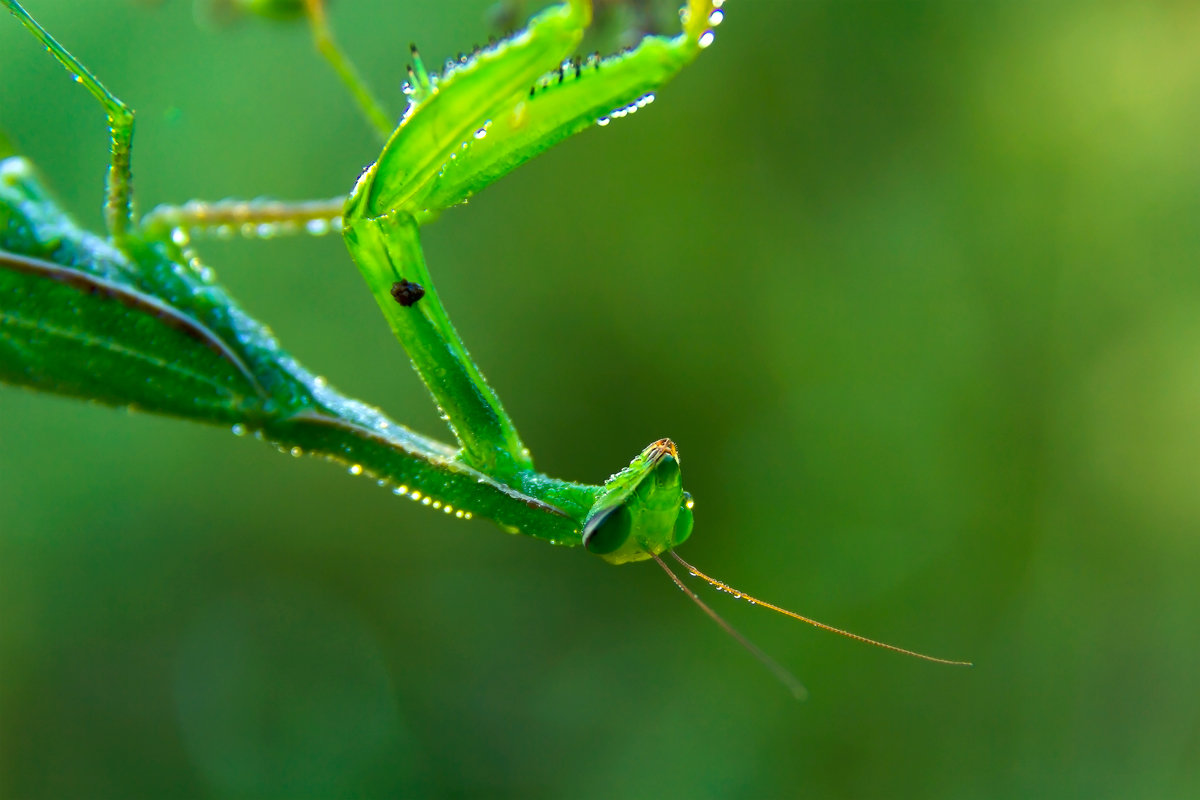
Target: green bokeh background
(915, 286)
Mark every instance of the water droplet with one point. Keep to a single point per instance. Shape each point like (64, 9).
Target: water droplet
(355, 469)
(239, 429)
(399, 490)
(266, 230)
(716, 17)
(296, 452)
(426, 501)
(706, 39)
(482, 132)
(320, 382)
(603, 121)
(180, 237)
(317, 227)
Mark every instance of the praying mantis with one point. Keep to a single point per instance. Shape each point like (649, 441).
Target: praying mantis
(135, 318)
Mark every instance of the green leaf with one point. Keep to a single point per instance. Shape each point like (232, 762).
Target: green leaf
(77, 318)
(65, 331)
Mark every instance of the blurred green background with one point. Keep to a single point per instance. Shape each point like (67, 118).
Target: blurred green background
(915, 286)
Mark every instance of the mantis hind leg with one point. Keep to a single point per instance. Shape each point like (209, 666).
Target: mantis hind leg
(118, 205)
(261, 218)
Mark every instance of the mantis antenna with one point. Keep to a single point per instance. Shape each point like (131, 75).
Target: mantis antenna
(785, 677)
(724, 587)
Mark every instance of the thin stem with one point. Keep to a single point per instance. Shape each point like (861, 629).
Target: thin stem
(328, 47)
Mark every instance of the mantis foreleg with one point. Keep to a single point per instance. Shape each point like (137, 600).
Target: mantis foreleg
(388, 253)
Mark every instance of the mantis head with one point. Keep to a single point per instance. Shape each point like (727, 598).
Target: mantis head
(643, 510)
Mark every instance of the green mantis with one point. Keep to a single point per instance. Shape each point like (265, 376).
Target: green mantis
(134, 318)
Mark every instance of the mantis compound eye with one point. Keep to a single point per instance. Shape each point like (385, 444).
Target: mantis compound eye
(607, 531)
(683, 522)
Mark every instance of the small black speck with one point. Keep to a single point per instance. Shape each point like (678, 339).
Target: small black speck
(406, 293)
